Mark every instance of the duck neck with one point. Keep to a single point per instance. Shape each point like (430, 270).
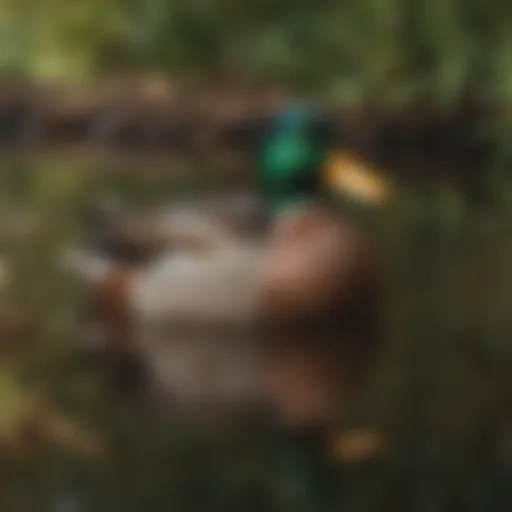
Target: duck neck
(284, 205)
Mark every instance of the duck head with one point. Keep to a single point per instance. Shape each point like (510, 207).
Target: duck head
(290, 156)
(298, 163)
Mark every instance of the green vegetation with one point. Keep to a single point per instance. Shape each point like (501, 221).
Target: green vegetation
(381, 50)
(388, 53)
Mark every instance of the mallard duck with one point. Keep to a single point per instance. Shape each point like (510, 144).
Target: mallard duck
(208, 277)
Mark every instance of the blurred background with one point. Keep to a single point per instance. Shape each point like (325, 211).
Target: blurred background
(140, 101)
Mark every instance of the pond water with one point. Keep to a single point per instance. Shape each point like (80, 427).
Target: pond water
(440, 391)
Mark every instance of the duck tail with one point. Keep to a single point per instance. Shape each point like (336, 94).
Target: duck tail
(93, 268)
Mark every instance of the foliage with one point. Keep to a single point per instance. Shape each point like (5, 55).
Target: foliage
(385, 50)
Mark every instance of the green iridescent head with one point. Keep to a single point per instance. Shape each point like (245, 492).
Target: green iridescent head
(291, 156)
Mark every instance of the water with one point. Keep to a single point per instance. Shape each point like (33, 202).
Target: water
(443, 380)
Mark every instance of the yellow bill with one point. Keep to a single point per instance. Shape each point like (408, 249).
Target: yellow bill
(350, 175)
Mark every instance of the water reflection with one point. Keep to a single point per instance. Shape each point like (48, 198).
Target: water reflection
(435, 393)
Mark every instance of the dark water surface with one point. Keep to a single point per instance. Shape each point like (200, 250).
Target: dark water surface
(442, 390)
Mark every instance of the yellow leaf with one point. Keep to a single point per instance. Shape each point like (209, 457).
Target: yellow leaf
(358, 445)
